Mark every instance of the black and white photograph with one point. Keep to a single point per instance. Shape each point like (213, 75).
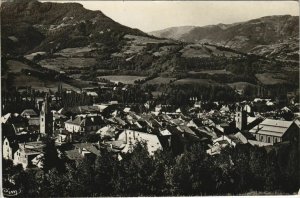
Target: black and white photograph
(149, 98)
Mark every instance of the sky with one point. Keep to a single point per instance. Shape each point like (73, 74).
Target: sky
(156, 15)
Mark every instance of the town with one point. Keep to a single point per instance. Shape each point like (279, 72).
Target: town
(140, 99)
(85, 131)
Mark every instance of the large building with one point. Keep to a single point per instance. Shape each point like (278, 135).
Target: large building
(130, 138)
(274, 131)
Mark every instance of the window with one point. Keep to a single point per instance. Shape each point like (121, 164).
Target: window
(261, 138)
(6, 143)
(269, 140)
(275, 140)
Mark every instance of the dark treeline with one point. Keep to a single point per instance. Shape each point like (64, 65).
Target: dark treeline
(235, 171)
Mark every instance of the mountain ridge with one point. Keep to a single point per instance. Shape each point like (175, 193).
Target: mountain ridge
(267, 31)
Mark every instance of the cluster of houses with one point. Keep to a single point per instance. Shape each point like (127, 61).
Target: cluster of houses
(83, 131)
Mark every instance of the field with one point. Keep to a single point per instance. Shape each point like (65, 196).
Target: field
(63, 63)
(240, 85)
(16, 66)
(204, 51)
(159, 80)
(156, 94)
(194, 81)
(125, 79)
(136, 44)
(74, 52)
(38, 84)
(271, 78)
(211, 72)
(195, 50)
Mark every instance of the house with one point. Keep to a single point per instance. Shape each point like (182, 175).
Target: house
(58, 120)
(92, 93)
(84, 123)
(9, 147)
(247, 108)
(80, 110)
(63, 136)
(222, 142)
(107, 131)
(126, 110)
(82, 150)
(158, 108)
(197, 123)
(186, 131)
(27, 152)
(224, 109)
(10, 143)
(197, 104)
(29, 113)
(274, 131)
(131, 138)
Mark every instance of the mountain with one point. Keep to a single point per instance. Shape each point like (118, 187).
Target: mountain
(29, 26)
(273, 36)
(44, 42)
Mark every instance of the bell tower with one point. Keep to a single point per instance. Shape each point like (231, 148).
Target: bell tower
(46, 118)
(240, 118)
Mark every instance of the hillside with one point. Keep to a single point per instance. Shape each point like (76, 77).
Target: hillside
(271, 36)
(29, 26)
(78, 46)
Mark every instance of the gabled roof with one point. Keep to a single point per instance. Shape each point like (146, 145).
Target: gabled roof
(89, 147)
(86, 121)
(165, 132)
(32, 148)
(5, 118)
(29, 112)
(272, 127)
(80, 109)
(186, 129)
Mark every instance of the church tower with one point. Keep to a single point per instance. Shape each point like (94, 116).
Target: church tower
(240, 118)
(46, 118)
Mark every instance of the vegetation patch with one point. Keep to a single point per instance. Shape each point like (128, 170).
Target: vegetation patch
(17, 66)
(38, 84)
(211, 72)
(194, 81)
(123, 79)
(62, 63)
(160, 80)
(271, 78)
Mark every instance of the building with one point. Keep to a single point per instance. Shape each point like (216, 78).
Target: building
(241, 118)
(83, 150)
(29, 113)
(84, 123)
(274, 131)
(9, 148)
(46, 118)
(131, 138)
(27, 152)
(11, 143)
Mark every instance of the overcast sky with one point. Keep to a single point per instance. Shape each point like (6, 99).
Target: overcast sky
(155, 15)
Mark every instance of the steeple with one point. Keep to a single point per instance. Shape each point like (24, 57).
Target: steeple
(240, 118)
(46, 117)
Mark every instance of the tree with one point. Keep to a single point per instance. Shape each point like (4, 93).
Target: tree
(105, 170)
(134, 171)
(50, 156)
